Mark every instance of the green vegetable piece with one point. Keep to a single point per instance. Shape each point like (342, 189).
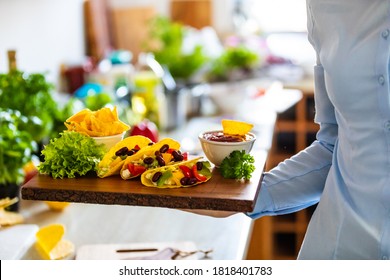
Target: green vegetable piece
(205, 169)
(238, 165)
(70, 155)
(165, 176)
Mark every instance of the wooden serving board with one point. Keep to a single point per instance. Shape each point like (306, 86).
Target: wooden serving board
(216, 194)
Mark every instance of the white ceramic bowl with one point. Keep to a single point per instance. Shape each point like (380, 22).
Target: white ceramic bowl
(216, 151)
(109, 141)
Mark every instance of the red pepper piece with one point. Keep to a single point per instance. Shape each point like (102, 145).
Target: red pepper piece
(186, 171)
(137, 148)
(198, 176)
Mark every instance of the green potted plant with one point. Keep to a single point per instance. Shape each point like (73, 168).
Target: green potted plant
(31, 94)
(181, 66)
(166, 43)
(16, 149)
(228, 76)
(235, 63)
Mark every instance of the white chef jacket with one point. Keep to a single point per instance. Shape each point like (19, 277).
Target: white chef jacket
(346, 170)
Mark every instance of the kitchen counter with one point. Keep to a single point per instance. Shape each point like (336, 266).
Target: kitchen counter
(89, 224)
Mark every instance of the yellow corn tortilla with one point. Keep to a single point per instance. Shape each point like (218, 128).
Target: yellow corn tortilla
(146, 181)
(149, 151)
(110, 164)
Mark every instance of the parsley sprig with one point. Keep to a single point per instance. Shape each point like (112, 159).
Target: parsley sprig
(238, 165)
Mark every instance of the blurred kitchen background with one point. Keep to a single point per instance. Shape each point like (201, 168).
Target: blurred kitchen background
(164, 62)
(48, 34)
(99, 46)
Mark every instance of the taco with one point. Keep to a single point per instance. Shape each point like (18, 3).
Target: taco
(165, 152)
(184, 174)
(113, 160)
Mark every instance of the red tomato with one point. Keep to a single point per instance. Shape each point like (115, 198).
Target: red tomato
(185, 155)
(137, 148)
(146, 128)
(197, 175)
(186, 171)
(136, 170)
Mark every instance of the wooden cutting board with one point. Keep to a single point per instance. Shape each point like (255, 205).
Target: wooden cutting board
(216, 194)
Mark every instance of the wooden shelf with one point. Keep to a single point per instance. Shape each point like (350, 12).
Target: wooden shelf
(280, 237)
(292, 126)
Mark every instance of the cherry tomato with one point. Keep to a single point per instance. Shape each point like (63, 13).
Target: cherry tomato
(197, 175)
(146, 128)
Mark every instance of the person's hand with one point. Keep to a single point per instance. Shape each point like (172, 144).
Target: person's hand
(210, 213)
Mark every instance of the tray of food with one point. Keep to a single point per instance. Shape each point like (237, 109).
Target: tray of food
(137, 171)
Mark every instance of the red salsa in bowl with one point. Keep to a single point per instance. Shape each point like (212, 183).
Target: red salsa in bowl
(216, 145)
(219, 136)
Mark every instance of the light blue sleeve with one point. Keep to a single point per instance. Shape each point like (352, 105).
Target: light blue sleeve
(298, 182)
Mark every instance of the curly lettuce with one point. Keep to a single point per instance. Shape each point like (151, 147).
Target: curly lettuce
(238, 165)
(71, 155)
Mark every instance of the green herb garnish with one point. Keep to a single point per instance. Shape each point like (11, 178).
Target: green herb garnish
(238, 165)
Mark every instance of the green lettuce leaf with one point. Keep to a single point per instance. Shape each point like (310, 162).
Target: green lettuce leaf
(71, 155)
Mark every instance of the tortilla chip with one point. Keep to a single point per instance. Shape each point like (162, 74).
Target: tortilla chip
(103, 122)
(62, 250)
(50, 244)
(236, 127)
(8, 218)
(80, 116)
(5, 202)
(48, 236)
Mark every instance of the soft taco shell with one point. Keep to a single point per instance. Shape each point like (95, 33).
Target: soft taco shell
(107, 166)
(148, 183)
(149, 151)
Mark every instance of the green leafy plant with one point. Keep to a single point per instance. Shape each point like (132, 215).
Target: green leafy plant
(16, 146)
(238, 165)
(166, 44)
(71, 155)
(31, 95)
(233, 59)
(97, 101)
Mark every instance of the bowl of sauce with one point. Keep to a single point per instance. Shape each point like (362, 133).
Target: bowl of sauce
(216, 145)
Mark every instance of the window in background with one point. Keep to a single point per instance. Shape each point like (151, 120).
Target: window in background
(283, 27)
(279, 15)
